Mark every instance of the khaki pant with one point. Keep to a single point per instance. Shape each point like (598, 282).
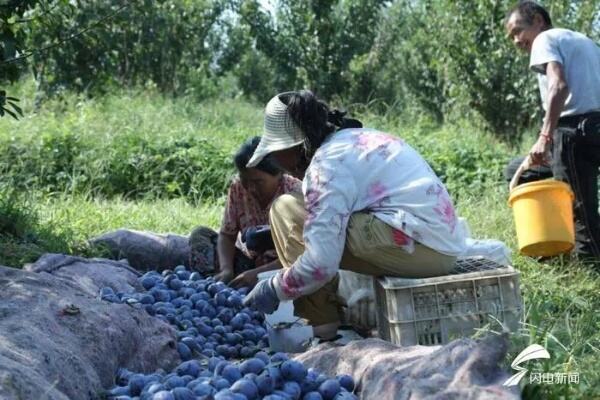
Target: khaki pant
(370, 250)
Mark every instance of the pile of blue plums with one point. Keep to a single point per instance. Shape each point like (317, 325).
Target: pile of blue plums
(261, 377)
(209, 316)
(214, 328)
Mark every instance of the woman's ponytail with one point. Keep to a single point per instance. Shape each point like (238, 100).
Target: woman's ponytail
(315, 119)
(337, 118)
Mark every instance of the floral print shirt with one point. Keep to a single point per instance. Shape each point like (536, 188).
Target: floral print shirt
(242, 210)
(367, 170)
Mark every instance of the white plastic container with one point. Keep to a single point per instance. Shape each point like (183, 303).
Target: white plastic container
(433, 311)
(358, 292)
(287, 333)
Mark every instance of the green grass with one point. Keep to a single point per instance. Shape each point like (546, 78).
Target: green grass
(64, 223)
(561, 301)
(60, 212)
(140, 145)
(130, 144)
(146, 114)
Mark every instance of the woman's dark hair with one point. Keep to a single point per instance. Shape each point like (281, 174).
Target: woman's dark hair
(527, 11)
(245, 152)
(314, 117)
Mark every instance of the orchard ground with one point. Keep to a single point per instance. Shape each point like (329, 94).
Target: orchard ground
(79, 167)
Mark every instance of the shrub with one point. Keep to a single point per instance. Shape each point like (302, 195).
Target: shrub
(463, 165)
(130, 166)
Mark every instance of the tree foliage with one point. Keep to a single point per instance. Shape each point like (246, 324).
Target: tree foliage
(164, 42)
(435, 58)
(309, 43)
(12, 34)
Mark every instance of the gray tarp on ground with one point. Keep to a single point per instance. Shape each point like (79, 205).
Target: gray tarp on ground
(146, 250)
(46, 353)
(463, 369)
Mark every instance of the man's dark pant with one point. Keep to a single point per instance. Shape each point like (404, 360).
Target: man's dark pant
(532, 174)
(576, 160)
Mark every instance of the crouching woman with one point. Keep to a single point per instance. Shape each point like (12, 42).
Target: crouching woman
(370, 204)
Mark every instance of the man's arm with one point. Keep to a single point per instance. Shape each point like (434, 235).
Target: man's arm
(558, 91)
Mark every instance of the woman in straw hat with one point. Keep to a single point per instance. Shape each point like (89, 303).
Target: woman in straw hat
(370, 204)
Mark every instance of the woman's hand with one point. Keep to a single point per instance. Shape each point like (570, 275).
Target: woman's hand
(224, 276)
(245, 279)
(263, 297)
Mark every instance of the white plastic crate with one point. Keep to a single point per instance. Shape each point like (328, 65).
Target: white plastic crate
(434, 311)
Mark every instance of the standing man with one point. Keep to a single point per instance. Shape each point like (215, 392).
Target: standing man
(567, 64)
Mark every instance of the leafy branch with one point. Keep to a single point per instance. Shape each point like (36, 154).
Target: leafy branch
(8, 105)
(66, 39)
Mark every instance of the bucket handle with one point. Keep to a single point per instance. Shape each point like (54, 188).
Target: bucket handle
(522, 168)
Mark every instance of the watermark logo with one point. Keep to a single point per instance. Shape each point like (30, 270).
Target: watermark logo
(535, 352)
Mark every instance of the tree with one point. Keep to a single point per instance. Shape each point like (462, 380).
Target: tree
(311, 43)
(453, 58)
(164, 42)
(12, 37)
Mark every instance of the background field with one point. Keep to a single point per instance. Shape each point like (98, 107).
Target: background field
(80, 167)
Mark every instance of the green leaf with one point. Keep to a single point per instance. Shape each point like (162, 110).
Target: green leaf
(12, 114)
(16, 108)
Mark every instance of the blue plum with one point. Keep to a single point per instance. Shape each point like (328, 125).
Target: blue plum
(245, 387)
(184, 352)
(346, 381)
(279, 357)
(253, 365)
(263, 356)
(293, 389)
(312, 396)
(191, 368)
(163, 395)
(345, 396)
(265, 384)
(329, 389)
(174, 381)
(195, 276)
(232, 373)
(293, 370)
(203, 389)
(182, 393)
(221, 384)
(155, 387)
(136, 384)
(175, 284)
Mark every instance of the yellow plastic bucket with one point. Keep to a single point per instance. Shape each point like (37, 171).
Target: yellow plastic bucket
(543, 213)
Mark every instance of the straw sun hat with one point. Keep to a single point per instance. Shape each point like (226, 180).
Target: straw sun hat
(280, 131)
